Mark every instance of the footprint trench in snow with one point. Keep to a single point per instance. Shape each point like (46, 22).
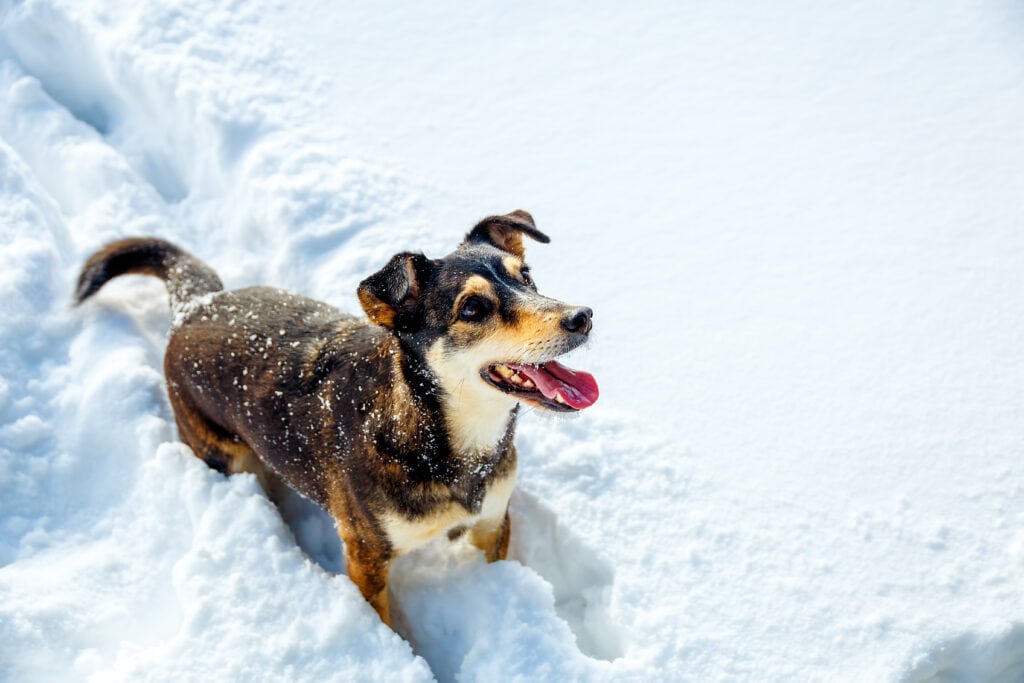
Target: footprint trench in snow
(127, 159)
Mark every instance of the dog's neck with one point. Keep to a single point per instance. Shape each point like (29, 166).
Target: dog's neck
(476, 421)
(476, 417)
(427, 416)
(438, 415)
(470, 418)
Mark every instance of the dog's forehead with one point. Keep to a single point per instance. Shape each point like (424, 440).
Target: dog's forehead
(485, 260)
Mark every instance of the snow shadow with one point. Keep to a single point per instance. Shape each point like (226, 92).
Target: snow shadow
(314, 530)
(973, 657)
(63, 57)
(60, 54)
(581, 579)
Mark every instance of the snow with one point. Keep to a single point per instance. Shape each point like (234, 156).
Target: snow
(798, 226)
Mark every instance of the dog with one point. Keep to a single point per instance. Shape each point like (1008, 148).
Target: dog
(400, 425)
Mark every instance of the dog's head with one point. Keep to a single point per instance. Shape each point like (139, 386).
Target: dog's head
(477, 321)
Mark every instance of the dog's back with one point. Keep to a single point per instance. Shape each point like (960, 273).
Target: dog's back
(260, 369)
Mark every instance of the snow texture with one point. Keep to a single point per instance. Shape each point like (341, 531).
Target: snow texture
(799, 227)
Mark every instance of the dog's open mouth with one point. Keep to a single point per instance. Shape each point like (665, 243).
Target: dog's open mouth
(550, 385)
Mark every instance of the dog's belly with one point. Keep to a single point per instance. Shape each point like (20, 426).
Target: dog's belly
(407, 534)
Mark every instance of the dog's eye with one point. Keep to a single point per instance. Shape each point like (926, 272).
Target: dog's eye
(527, 280)
(473, 309)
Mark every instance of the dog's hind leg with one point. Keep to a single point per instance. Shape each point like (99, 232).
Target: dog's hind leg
(248, 461)
(220, 450)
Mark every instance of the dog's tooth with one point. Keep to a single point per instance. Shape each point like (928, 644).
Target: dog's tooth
(515, 378)
(558, 397)
(503, 370)
(528, 383)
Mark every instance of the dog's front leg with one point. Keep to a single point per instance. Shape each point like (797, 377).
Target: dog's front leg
(491, 536)
(369, 569)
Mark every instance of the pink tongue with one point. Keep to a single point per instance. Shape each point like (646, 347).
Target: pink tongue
(578, 389)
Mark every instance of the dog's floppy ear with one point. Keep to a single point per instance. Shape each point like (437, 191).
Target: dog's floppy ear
(391, 296)
(506, 232)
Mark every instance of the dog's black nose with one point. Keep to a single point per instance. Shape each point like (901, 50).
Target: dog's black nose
(578, 321)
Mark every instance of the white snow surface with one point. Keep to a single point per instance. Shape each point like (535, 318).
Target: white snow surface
(799, 225)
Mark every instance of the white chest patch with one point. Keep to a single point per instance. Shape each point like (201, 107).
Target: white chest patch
(477, 416)
(407, 535)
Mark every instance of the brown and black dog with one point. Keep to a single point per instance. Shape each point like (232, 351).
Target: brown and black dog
(401, 426)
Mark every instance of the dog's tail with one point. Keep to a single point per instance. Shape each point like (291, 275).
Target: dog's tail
(186, 276)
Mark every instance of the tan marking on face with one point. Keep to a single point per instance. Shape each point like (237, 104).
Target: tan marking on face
(476, 413)
(476, 285)
(538, 319)
(514, 266)
(406, 535)
(536, 334)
